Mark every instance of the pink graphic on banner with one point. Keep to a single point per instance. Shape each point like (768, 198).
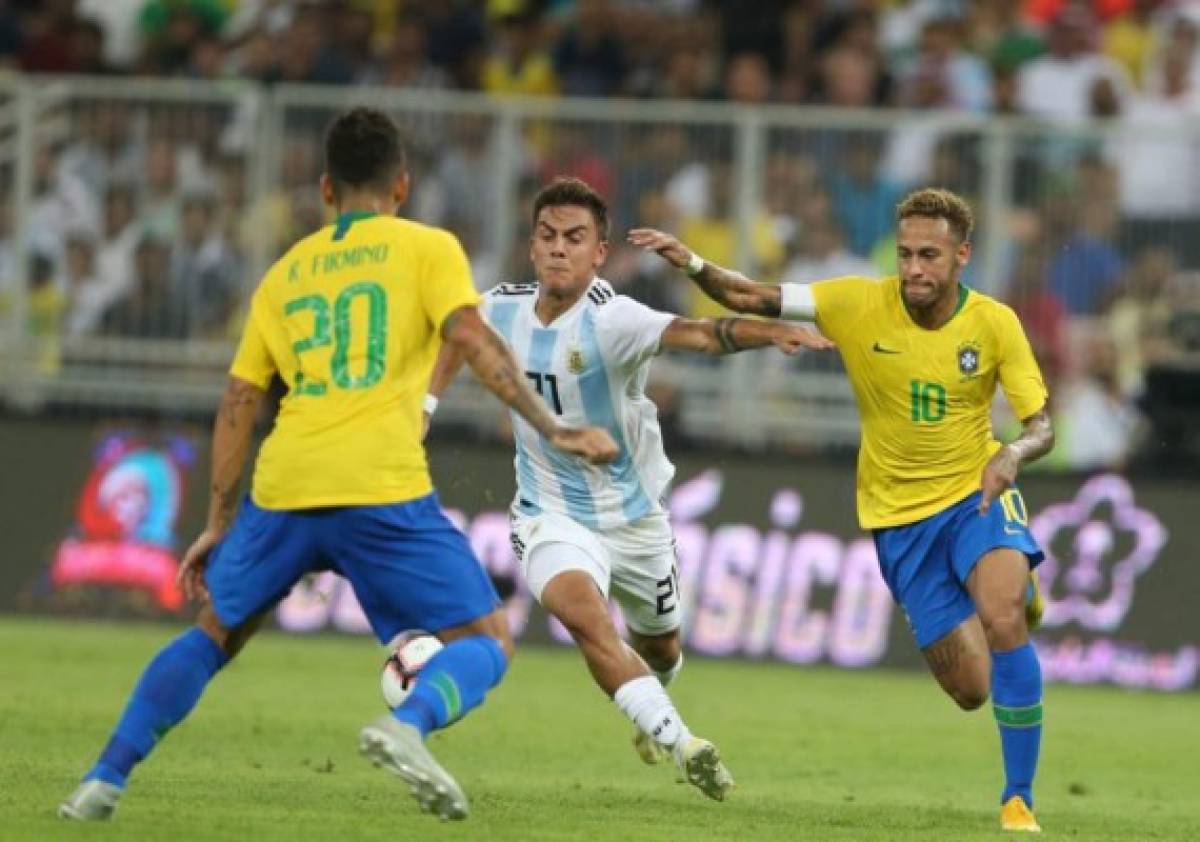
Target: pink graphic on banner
(1094, 585)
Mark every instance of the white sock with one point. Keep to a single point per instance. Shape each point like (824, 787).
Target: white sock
(647, 704)
(665, 678)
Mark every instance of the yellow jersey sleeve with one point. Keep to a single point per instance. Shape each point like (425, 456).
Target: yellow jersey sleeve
(840, 304)
(446, 284)
(253, 362)
(1018, 370)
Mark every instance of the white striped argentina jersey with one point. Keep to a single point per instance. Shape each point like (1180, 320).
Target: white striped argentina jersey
(590, 366)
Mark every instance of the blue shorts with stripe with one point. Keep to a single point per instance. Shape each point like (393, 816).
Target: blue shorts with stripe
(409, 566)
(926, 564)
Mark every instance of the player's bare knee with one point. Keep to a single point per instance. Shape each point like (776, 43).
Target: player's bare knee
(231, 641)
(969, 698)
(1005, 627)
(660, 652)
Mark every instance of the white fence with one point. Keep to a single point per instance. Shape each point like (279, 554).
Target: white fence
(139, 214)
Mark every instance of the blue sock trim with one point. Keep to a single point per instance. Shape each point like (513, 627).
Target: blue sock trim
(454, 682)
(167, 691)
(418, 713)
(1017, 685)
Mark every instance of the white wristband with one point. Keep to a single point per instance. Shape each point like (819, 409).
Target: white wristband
(694, 266)
(797, 303)
(430, 405)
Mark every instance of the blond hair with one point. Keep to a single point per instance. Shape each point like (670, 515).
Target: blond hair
(937, 203)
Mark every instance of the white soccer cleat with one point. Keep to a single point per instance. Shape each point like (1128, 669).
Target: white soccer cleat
(646, 748)
(701, 764)
(92, 801)
(400, 749)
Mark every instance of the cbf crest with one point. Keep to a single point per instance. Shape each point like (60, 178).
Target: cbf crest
(968, 359)
(575, 361)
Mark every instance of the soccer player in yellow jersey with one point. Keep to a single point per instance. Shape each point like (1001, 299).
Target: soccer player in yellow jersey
(924, 355)
(351, 318)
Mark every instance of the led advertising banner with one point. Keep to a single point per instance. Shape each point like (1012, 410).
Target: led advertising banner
(771, 561)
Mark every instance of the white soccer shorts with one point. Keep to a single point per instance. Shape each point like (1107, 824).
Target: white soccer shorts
(634, 563)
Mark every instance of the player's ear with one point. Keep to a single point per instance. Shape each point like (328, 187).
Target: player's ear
(964, 253)
(601, 254)
(327, 195)
(400, 189)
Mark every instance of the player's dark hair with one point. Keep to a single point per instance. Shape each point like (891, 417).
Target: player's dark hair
(937, 203)
(363, 149)
(573, 191)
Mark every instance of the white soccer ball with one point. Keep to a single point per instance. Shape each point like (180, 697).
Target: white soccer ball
(409, 654)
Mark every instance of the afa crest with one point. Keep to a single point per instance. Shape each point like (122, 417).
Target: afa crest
(968, 358)
(575, 361)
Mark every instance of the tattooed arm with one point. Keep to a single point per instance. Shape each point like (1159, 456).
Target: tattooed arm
(733, 289)
(494, 365)
(233, 432)
(1035, 441)
(728, 336)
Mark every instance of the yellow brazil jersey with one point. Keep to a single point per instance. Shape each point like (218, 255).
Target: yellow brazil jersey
(350, 318)
(924, 396)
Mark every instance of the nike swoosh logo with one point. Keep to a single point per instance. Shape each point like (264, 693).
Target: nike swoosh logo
(879, 349)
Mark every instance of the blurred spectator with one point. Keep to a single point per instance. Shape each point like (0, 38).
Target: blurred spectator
(159, 202)
(105, 148)
(798, 64)
(44, 304)
(62, 202)
(114, 254)
(406, 63)
(1057, 86)
(457, 39)
(850, 78)
(203, 269)
(687, 74)
(1139, 317)
(146, 310)
(45, 39)
(1000, 34)
(1098, 424)
(87, 294)
(863, 197)
(1042, 313)
(519, 64)
(307, 54)
(960, 79)
(1085, 273)
(748, 79)
(172, 28)
(589, 58)
(715, 234)
(1129, 38)
(118, 20)
(1157, 159)
(464, 174)
(822, 255)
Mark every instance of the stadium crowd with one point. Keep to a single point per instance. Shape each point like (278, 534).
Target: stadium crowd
(143, 223)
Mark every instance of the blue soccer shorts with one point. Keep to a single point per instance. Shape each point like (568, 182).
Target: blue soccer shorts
(409, 566)
(926, 564)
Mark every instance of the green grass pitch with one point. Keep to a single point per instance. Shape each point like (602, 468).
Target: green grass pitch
(270, 753)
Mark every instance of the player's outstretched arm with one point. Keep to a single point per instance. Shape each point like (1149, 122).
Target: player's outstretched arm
(233, 431)
(1035, 441)
(729, 336)
(493, 363)
(733, 289)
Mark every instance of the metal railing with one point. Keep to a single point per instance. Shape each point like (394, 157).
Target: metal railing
(220, 178)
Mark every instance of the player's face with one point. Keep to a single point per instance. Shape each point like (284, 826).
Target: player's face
(931, 257)
(566, 249)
